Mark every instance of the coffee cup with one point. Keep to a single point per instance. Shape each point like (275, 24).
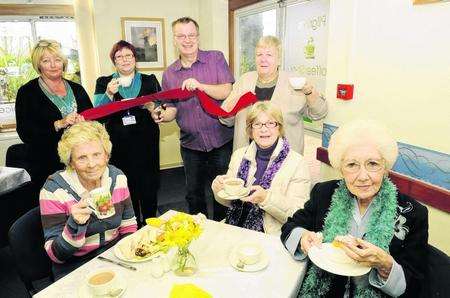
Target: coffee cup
(297, 82)
(233, 186)
(125, 81)
(102, 282)
(249, 253)
(101, 200)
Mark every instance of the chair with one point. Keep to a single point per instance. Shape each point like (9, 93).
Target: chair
(438, 270)
(26, 240)
(17, 157)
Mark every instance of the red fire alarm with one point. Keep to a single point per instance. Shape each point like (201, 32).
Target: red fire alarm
(345, 91)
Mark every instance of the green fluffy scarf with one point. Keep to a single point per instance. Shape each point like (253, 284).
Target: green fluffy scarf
(380, 231)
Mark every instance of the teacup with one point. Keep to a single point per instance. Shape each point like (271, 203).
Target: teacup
(233, 186)
(297, 82)
(125, 81)
(102, 282)
(249, 253)
(101, 200)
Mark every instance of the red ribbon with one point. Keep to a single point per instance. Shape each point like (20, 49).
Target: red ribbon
(208, 104)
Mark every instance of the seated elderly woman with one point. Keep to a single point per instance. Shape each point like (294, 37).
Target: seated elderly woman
(80, 223)
(365, 215)
(277, 176)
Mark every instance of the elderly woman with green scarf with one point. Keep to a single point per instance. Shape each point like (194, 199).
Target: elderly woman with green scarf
(134, 134)
(374, 224)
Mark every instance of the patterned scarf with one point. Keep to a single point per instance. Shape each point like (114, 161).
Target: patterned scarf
(380, 231)
(254, 220)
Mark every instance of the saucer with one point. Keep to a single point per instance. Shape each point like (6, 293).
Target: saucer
(83, 290)
(224, 196)
(258, 266)
(334, 260)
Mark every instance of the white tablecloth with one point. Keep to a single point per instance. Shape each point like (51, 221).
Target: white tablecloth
(11, 178)
(215, 275)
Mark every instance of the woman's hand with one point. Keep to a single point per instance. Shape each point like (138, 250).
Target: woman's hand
(80, 212)
(310, 239)
(367, 254)
(112, 87)
(150, 106)
(217, 184)
(159, 113)
(70, 119)
(258, 195)
(191, 84)
(308, 88)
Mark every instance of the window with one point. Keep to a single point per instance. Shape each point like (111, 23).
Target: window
(251, 25)
(17, 37)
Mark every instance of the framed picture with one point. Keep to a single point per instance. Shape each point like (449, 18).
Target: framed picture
(147, 36)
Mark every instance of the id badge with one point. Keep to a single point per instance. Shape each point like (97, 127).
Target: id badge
(129, 120)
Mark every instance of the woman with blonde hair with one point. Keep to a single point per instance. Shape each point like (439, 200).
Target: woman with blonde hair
(45, 106)
(277, 177)
(78, 223)
(268, 82)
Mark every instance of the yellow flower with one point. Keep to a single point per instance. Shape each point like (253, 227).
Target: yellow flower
(154, 222)
(179, 230)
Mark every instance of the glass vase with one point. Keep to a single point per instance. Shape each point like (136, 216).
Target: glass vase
(184, 262)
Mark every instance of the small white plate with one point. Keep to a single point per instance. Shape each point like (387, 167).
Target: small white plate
(260, 265)
(333, 259)
(83, 290)
(224, 196)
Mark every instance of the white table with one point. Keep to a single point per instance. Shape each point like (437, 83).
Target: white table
(215, 275)
(11, 178)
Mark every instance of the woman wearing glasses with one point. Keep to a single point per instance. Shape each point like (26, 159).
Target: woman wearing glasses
(277, 176)
(268, 82)
(363, 212)
(45, 106)
(134, 134)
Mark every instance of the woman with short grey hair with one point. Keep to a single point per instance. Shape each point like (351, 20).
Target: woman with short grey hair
(268, 82)
(365, 217)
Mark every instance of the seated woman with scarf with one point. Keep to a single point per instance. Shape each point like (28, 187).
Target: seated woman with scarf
(374, 224)
(277, 176)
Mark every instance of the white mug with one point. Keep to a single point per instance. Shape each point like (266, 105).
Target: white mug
(297, 82)
(125, 81)
(102, 281)
(233, 186)
(249, 253)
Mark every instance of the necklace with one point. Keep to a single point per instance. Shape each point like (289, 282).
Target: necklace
(268, 83)
(53, 90)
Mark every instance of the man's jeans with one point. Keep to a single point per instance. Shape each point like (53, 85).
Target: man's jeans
(200, 169)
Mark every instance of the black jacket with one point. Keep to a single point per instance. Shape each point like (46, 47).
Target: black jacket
(410, 253)
(35, 117)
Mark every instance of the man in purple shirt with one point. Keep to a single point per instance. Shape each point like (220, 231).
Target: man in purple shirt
(206, 144)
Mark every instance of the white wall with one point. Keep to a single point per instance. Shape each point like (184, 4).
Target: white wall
(397, 55)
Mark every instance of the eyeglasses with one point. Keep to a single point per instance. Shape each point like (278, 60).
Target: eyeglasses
(123, 57)
(184, 36)
(371, 165)
(270, 124)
